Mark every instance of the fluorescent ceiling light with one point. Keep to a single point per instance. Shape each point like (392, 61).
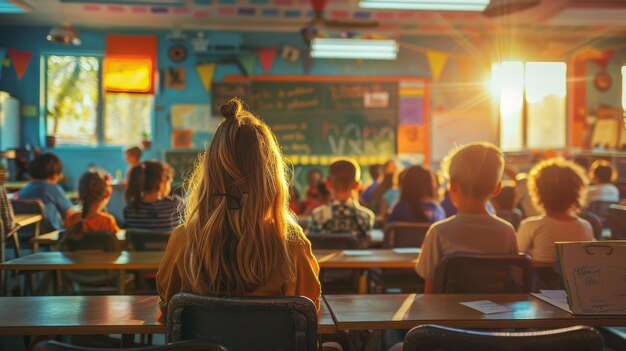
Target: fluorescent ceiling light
(354, 48)
(427, 5)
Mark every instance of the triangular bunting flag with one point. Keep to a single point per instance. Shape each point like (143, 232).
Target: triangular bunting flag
(266, 56)
(247, 61)
(3, 53)
(20, 59)
(436, 61)
(206, 72)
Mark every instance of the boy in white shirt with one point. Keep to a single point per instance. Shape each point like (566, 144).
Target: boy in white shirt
(601, 188)
(475, 173)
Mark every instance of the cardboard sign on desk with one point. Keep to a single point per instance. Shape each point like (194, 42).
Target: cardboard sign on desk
(595, 276)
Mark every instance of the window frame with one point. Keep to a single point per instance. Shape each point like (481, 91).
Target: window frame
(43, 103)
(524, 117)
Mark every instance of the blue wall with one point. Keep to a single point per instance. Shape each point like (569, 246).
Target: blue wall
(76, 159)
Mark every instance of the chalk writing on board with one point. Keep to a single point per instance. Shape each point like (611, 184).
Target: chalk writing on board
(291, 137)
(224, 91)
(279, 98)
(355, 139)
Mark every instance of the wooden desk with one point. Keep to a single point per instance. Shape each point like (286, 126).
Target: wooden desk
(379, 258)
(151, 259)
(129, 260)
(66, 315)
(404, 311)
(123, 260)
(15, 186)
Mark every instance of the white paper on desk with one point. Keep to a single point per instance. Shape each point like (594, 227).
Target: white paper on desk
(486, 306)
(357, 252)
(559, 296)
(407, 250)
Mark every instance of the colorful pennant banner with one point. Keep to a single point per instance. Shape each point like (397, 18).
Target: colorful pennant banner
(206, 72)
(266, 57)
(20, 59)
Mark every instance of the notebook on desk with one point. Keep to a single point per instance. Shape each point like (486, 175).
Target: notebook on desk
(594, 275)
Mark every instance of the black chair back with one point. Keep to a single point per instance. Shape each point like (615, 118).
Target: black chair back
(28, 206)
(513, 216)
(190, 345)
(617, 222)
(404, 234)
(244, 323)
(601, 209)
(31, 207)
(434, 337)
(464, 273)
(101, 241)
(594, 220)
(145, 240)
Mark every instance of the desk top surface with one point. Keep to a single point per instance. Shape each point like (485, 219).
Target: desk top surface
(404, 311)
(151, 260)
(120, 314)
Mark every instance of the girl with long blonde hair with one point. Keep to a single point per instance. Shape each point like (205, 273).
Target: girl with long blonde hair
(238, 237)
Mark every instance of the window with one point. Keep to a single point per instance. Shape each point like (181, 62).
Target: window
(72, 99)
(532, 104)
(73, 95)
(127, 118)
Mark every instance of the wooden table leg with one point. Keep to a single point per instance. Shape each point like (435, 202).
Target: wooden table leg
(363, 282)
(37, 232)
(121, 282)
(3, 276)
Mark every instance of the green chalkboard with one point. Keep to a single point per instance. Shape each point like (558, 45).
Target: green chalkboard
(329, 118)
(182, 161)
(315, 121)
(224, 91)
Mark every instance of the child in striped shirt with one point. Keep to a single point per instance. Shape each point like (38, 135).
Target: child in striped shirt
(148, 203)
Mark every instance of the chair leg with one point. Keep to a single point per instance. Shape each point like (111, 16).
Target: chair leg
(37, 232)
(16, 245)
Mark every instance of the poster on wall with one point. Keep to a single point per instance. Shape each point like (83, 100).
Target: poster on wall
(192, 126)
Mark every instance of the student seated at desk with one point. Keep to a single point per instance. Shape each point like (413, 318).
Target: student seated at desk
(46, 171)
(474, 172)
(239, 237)
(418, 190)
(132, 156)
(149, 205)
(556, 186)
(343, 214)
(94, 192)
(601, 188)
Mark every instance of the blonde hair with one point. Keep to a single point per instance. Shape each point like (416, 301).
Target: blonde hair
(557, 185)
(476, 167)
(237, 216)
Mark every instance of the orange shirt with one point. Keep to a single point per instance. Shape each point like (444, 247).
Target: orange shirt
(170, 277)
(99, 222)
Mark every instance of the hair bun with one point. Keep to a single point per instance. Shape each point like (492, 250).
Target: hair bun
(232, 108)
